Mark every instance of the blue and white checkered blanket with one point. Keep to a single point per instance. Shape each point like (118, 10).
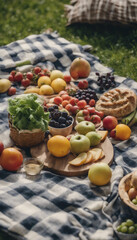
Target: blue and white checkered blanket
(54, 206)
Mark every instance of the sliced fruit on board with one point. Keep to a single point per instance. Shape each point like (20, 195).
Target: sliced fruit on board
(103, 134)
(102, 155)
(89, 157)
(79, 160)
(96, 154)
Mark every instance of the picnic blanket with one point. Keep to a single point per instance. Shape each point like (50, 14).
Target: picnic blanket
(55, 206)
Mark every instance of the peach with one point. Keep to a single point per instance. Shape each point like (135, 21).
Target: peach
(110, 122)
(80, 68)
(132, 193)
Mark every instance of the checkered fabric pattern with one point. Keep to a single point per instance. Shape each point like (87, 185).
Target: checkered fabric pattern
(54, 206)
(97, 11)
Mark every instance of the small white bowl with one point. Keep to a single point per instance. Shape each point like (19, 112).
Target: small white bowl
(61, 131)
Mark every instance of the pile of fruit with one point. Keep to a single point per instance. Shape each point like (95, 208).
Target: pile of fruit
(132, 188)
(128, 227)
(70, 103)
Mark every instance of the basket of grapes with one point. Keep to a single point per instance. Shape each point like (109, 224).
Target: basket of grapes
(27, 120)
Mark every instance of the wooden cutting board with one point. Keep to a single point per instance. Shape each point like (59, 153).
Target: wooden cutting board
(61, 166)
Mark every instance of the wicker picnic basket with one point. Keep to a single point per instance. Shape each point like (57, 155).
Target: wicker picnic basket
(26, 138)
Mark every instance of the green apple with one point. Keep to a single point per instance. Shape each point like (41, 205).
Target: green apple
(79, 143)
(84, 127)
(99, 173)
(80, 116)
(94, 138)
(80, 119)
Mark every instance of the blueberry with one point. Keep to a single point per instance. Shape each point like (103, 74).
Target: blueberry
(69, 118)
(56, 114)
(56, 125)
(69, 122)
(55, 107)
(52, 123)
(51, 109)
(62, 125)
(61, 120)
(64, 114)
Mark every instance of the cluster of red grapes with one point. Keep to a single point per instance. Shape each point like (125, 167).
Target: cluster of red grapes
(105, 81)
(25, 79)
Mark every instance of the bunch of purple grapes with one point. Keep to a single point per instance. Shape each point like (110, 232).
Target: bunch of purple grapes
(105, 81)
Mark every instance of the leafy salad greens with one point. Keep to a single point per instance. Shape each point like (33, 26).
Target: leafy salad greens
(27, 113)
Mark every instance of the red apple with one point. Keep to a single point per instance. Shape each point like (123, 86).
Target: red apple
(110, 122)
(132, 193)
(80, 68)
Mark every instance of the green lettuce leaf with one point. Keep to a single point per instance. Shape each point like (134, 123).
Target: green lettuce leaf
(27, 113)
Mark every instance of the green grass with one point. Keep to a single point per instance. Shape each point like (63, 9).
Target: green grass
(115, 45)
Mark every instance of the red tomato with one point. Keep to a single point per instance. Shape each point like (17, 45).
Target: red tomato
(13, 73)
(58, 100)
(65, 97)
(68, 107)
(25, 82)
(85, 83)
(85, 112)
(81, 104)
(11, 78)
(87, 118)
(67, 78)
(92, 102)
(100, 114)
(37, 70)
(12, 91)
(18, 77)
(74, 109)
(29, 75)
(81, 85)
(95, 119)
(65, 102)
(73, 101)
(91, 110)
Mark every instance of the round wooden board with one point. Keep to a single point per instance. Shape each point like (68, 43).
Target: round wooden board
(61, 166)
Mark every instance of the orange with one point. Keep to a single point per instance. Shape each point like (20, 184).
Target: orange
(58, 85)
(58, 146)
(123, 132)
(11, 159)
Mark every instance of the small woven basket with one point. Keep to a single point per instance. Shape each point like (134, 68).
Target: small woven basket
(123, 188)
(26, 138)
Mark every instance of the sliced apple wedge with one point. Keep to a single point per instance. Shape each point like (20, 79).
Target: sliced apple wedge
(103, 134)
(89, 157)
(79, 160)
(96, 154)
(102, 155)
